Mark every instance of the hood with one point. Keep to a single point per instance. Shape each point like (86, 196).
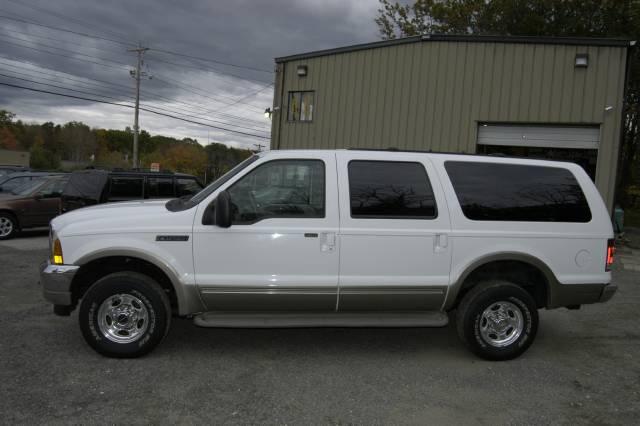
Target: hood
(123, 217)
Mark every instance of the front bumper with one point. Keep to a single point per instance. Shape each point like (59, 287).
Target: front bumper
(56, 282)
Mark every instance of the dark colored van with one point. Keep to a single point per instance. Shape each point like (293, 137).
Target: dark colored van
(89, 187)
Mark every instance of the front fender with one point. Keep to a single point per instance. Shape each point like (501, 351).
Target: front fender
(174, 258)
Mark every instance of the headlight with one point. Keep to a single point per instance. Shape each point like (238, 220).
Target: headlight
(56, 253)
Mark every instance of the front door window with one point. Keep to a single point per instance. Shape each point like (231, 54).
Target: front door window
(279, 189)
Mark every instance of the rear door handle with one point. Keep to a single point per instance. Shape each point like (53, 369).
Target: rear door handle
(440, 243)
(311, 235)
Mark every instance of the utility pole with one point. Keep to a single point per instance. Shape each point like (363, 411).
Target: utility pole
(137, 74)
(259, 146)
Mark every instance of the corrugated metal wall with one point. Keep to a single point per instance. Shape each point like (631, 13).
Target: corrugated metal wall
(433, 94)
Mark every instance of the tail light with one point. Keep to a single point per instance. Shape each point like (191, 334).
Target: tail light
(611, 250)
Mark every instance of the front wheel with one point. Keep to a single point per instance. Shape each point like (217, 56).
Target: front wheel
(124, 315)
(497, 320)
(8, 226)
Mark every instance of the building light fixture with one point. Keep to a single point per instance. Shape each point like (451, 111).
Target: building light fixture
(269, 112)
(582, 60)
(301, 70)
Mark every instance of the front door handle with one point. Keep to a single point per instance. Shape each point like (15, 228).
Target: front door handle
(328, 241)
(311, 235)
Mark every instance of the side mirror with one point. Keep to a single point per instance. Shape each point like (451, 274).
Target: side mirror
(222, 212)
(38, 196)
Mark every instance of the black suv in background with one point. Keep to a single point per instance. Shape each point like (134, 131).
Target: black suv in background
(89, 187)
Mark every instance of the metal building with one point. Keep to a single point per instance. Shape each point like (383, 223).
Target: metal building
(558, 98)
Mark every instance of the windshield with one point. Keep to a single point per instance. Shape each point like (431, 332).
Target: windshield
(222, 179)
(26, 188)
(179, 204)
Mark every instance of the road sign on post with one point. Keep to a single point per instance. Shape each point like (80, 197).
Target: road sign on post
(155, 167)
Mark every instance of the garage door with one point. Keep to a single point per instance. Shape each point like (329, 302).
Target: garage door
(572, 137)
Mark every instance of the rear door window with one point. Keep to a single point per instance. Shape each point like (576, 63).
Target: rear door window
(125, 188)
(390, 190)
(187, 186)
(515, 192)
(159, 187)
(14, 183)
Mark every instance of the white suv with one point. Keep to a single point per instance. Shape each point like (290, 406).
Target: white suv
(340, 239)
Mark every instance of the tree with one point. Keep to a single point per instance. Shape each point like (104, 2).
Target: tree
(7, 139)
(6, 117)
(182, 157)
(510, 17)
(579, 18)
(222, 158)
(42, 158)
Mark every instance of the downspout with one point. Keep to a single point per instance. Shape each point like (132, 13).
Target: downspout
(618, 176)
(278, 93)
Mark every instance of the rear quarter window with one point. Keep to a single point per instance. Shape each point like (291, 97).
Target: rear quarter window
(514, 192)
(125, 188)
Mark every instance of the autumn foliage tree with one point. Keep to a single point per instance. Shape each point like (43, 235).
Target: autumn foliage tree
(8, 139)
(184, 157)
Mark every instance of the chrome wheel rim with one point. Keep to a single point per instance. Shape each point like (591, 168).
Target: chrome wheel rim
(6, 226)
(501, 324)
(123, 318)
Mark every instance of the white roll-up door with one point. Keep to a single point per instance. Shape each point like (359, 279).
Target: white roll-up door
(575, 137)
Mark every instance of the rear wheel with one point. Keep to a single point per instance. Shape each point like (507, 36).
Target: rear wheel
(497, 320)
(124, 315)
(8, 226)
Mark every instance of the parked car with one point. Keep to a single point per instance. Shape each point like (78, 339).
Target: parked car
(89, 187)
(12, 181)
(341, 238)
(31, 205)
(6, 169)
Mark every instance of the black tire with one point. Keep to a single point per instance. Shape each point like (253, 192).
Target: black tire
(140, 289)
(476, 330)
(8, 219)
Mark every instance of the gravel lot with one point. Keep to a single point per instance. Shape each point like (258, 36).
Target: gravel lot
(583, 368)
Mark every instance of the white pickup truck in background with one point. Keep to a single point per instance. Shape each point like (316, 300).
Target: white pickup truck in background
(340, 238)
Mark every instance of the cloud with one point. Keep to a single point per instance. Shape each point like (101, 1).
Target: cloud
(244, 32)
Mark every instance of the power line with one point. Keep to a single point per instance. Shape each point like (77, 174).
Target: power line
(63, 56)
(60, 87)
(123, 37)
(195, 90)
(234, 101)
(64, 50)
(57, 40)
(192, 108)
(26, 21)
(57, 81)
(101, 82)
(131, 106)
(250, 95)
(120, 100)
(205, 118)
(209, 69)
(201, 68)
(212, 60)
(67, 18)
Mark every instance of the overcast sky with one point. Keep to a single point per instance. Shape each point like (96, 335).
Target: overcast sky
(248, 33)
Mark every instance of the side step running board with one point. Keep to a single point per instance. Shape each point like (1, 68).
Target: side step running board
(335, 319)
